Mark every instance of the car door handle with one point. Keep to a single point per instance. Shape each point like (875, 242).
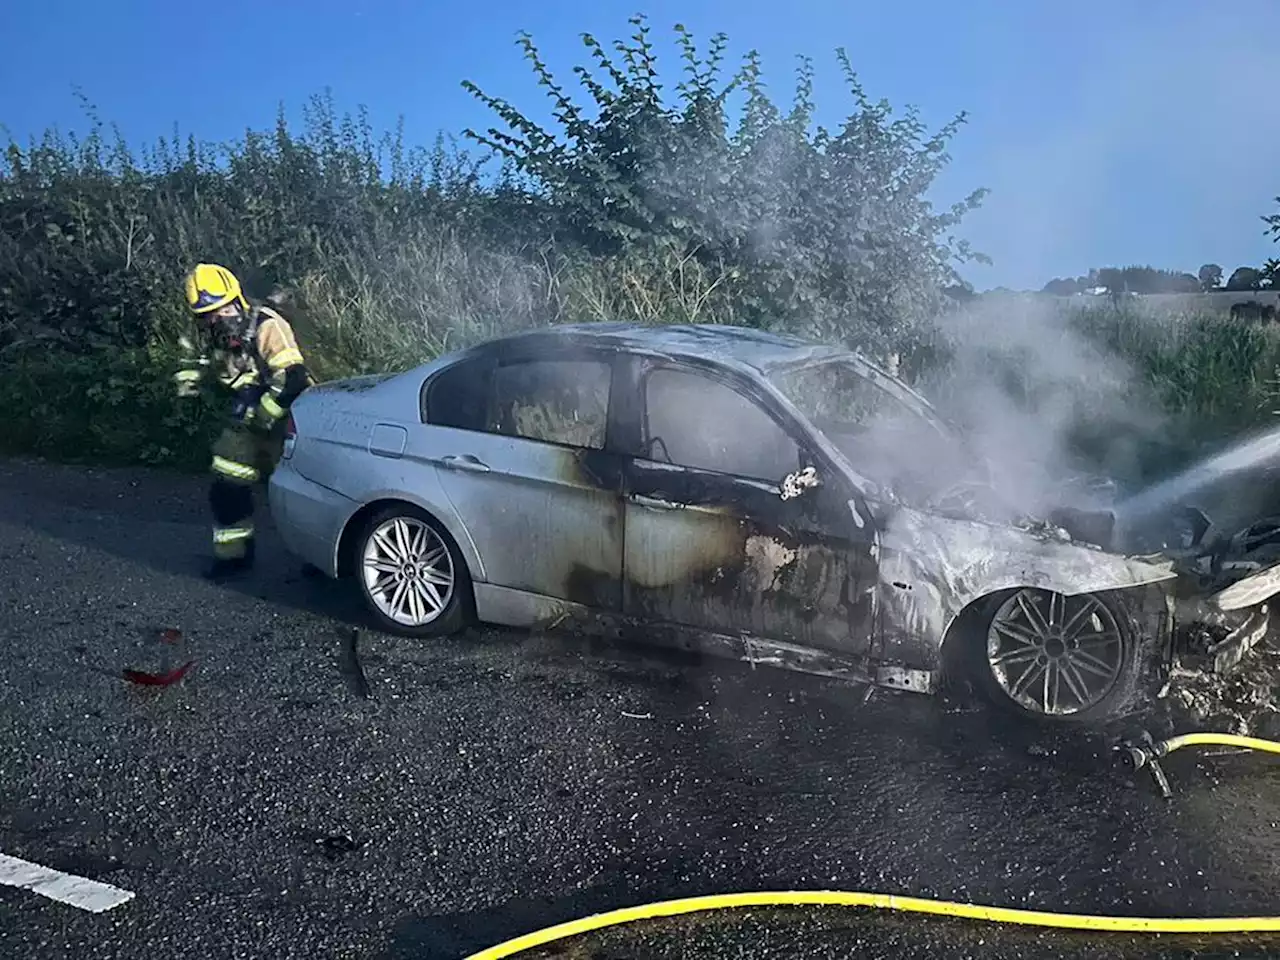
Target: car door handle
(653, 502)
(464, 462)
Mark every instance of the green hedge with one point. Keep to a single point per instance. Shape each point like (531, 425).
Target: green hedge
(113, 407)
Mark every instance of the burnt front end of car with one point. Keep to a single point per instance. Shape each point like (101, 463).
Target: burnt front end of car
(1025, 603)
(1224, 672)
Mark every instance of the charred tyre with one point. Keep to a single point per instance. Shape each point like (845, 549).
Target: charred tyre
(410, 573)
(1053, 657)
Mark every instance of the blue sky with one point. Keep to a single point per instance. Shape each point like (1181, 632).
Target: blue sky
(1109, 132)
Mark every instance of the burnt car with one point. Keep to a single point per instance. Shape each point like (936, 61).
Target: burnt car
(726, 490)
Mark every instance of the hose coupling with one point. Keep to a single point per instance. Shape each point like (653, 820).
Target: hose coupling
(1145, 752)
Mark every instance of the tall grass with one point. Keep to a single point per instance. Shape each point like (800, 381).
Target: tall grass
(1214, 377)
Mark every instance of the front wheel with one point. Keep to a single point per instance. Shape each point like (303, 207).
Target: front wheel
(412, 577)
(1053, 657)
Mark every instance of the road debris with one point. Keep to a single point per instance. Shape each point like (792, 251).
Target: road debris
(172, 645)
(147, 679)
(351, 666)
(336, 845)
(1211, 688)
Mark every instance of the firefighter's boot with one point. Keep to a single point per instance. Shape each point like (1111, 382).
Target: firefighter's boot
(223, 568)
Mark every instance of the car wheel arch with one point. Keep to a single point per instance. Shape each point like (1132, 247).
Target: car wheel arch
(345, 556)
(967, 630)
(969, 619)
(970, 610)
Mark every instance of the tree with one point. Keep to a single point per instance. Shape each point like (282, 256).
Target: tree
(1149, 280)
(1061, 287)
(1141, 280)
(1270, 273)
(1112, 278)
(1185, 283)
(1244, 278)
(826, 232)
(1273, 224)
(1210, 276)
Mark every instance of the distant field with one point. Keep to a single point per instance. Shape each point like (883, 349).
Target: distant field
(1216, 302)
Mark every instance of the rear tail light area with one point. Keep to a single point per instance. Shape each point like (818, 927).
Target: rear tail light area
(290, 437)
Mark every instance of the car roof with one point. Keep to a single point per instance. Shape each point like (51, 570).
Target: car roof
(758, 350)
(754, 351)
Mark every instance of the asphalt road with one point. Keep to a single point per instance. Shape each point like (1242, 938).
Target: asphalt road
(501, 782)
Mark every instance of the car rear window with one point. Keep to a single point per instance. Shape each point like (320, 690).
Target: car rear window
(459, 396)
(556, 401)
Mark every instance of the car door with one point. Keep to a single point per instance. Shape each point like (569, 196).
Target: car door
(711, 543)
(520, 446)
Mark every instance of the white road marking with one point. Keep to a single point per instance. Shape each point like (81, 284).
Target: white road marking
(64, 887)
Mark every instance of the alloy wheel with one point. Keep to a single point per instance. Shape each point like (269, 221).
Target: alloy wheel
(408, 571)
(1052, 654)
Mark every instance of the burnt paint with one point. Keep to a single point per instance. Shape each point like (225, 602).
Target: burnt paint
(597, 468)
(689, 340)
(603, 470)
(738, 559)
(693, 646)
(719, 345)
(931, 574)
(594, 588)
(462, 396)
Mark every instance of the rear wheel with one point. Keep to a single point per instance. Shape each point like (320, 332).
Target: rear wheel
(1053, 657)
(412, 577)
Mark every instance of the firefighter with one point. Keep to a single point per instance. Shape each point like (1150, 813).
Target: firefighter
(252, 352)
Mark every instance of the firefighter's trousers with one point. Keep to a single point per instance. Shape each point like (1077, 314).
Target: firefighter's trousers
(241, 459)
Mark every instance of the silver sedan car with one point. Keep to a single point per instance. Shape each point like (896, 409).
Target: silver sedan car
(721, 489)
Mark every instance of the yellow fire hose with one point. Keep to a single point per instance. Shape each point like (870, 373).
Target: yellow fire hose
(1215, 739)
(1148, 753)
(1139, 756)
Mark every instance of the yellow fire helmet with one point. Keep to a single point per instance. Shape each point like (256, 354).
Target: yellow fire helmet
(211, 287)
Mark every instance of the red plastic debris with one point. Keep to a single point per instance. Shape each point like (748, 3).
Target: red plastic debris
(170, 635)
(144, 678)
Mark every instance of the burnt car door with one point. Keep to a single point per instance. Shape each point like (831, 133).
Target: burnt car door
(519, 440)
(711, 542)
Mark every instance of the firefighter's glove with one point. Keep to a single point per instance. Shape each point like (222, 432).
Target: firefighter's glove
(187, 382)
(264, 417)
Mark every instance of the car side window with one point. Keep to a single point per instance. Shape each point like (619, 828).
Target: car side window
(459, 395)
(556, 401)
(694, 421)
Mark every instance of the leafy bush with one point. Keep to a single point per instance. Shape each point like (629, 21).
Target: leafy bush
(820, 232)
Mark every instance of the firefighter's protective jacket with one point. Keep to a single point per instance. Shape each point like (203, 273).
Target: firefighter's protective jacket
(266, 371)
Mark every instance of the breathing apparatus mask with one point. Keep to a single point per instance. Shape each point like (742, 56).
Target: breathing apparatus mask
(229, 328)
